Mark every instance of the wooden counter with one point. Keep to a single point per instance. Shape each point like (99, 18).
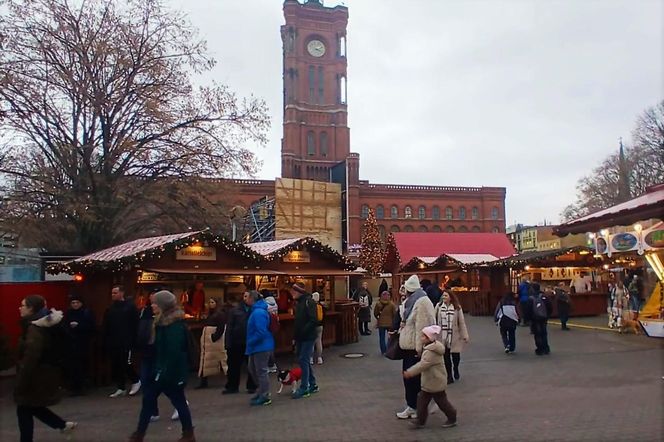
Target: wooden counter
(283, 342)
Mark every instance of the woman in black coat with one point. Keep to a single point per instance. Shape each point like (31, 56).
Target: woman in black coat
(80, 325)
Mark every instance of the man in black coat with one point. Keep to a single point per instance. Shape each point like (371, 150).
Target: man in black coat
(79, 323)
(236, 343)
(120, 325)
(304, 335)
(540, 308)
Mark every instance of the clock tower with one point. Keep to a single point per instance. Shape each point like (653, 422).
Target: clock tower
(316, 135)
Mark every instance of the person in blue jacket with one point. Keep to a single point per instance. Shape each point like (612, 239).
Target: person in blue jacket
(260, 345)
(524, 291)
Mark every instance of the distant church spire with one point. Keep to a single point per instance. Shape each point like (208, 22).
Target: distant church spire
(623, 178)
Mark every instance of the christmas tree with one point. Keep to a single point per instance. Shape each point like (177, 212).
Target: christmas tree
(371, 255)
(391, 260)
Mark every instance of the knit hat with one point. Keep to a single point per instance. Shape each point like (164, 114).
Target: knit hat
(432, 331)
(315, 296)
(75, 297)
(165, 300)
(385, 293)
(270, 300)
(412, 284)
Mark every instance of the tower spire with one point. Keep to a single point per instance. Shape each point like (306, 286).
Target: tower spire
(623, 175)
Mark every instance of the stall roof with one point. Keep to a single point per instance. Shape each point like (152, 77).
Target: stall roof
(534, 256)
(465, 246)
(647, 206)
(271, 250)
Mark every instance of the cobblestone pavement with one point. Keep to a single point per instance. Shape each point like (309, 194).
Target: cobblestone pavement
(595, 386)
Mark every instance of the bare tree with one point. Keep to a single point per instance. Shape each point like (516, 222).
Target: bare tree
(624, 176)
(104, 136)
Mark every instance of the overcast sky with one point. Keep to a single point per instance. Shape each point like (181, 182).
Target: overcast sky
(528, 95)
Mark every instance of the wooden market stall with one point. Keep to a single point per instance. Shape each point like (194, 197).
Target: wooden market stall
(456, 261)
(195, 264)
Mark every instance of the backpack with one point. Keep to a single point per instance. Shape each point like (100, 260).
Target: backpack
(539, 307)
(319, 312)
(274, 323)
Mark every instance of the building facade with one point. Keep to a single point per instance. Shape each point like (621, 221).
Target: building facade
(316, 140)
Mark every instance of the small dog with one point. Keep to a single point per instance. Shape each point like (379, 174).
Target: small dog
(289, 377)
(630, 324)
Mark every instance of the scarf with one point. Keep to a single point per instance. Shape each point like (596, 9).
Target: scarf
(445, 319)
(410, 303)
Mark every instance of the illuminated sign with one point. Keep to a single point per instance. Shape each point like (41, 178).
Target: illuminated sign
(196, 253)
(297, 256)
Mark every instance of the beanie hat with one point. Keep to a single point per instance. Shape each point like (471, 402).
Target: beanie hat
(165, 300)
(385, 292)
(315, 296)
(412, 284)
(75, 297)
(432, 331)
(269, 300)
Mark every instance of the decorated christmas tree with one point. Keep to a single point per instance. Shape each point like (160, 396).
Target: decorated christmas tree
(371, 254)
(391, 257)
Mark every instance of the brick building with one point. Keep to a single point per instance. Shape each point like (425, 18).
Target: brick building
(316, 140)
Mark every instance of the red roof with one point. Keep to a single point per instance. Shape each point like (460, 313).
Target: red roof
(412, 244)
(649, 205)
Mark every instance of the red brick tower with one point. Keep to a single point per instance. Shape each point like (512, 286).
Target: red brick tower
(316, 134)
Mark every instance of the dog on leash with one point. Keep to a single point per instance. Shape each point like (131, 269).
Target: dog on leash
(630, 322)
(289, 377)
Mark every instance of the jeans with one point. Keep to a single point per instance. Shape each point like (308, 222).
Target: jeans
(440, 397)
(451, 363)
(177, 398)
(146, 381)
(412, 385)
(26, 424)
(258, 369)
(509, 337)
(382, 339)
(121, 368)
(538, 327)
(318, 345)
(304, 351)
(236, 358)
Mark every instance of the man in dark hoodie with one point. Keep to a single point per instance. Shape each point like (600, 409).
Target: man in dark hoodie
(304, 335)
(120, 324)
(80, 325)
(236, 343)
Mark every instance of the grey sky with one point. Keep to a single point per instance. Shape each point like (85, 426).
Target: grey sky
(529, 95)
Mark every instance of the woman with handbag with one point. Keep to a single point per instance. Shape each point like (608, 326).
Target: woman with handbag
(384, 312)
(454, 333)
(417, 313)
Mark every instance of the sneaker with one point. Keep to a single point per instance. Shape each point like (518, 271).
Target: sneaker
(408, 413)
(507, 350)
(314, 389)
(154, 418)
(69, 427)
(272, 369)
(311, 361)
(135, 388)
(118, 393)
(449, 424)
(260, 400)
(300, 393)
(320, 361)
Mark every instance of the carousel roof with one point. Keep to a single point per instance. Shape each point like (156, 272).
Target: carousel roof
(647, 206)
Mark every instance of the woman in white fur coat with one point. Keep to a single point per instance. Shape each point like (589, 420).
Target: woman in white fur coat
(417, 313)
(453, 335)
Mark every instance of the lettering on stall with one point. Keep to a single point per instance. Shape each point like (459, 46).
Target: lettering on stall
(196, 253)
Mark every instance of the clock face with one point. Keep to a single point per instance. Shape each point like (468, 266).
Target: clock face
(316, 48)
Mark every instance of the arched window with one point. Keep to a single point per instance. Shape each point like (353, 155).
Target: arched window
(394, 212)
(312, 84)
(476, 229)
(311, 143)
(321, 81)
(436, 229)
(435, 212)
(323, 144)
(408, 229)
(342, 46)
(463, 229)
(494, 213)
(408, 213)
(462, 213)
(395, 229)
(449, 229)
(448, 212)
(475, 213)
(380, 212)
(342, 90)
(365, 211)
(381, 231)
(496, 229)
(422, 229)
(422, 212)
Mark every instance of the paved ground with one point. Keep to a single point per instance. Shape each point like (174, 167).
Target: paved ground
(595, 386)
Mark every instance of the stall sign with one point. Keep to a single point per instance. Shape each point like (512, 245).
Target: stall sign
(196, 253)
(649, 239)
(562, 273)
(655, 238)
(623, 242)
(297, 256)
(148, 277)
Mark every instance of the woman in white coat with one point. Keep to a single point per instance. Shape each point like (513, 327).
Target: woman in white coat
(454, 334)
